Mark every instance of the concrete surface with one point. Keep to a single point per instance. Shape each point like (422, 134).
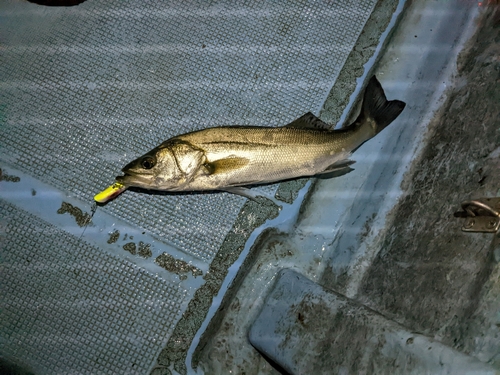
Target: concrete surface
(429, 275)
(306, 329)
(349, 236)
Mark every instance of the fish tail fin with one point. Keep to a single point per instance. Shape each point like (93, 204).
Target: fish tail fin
(377, 111)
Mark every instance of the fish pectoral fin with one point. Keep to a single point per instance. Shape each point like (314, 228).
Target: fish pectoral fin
(308, 121)
(225, 165)
(341, 165)
(243, 191)
(250, 194)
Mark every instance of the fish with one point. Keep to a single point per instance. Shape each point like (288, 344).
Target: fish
(230, 158)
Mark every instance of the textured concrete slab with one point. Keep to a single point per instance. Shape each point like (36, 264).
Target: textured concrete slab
(418, 65)
(306, 329)
(67, 307)
(429, 274)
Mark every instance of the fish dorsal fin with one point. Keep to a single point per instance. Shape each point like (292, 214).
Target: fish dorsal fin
(225, 165)
(308, 121)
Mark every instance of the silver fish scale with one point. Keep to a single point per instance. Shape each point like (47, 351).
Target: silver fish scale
(273, 154)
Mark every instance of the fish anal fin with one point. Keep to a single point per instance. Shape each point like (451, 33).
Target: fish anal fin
(308, 121)
(225, 165)
(338, 166)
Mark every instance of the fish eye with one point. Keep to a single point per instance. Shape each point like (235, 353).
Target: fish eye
(148, 162)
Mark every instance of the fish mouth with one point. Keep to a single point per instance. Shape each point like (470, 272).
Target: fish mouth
(121, 179)
(127, 173)
(134, 179)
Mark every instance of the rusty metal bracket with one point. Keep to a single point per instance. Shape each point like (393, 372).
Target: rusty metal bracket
(481, 215)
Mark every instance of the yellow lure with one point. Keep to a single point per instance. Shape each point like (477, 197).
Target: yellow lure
(110, 192)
